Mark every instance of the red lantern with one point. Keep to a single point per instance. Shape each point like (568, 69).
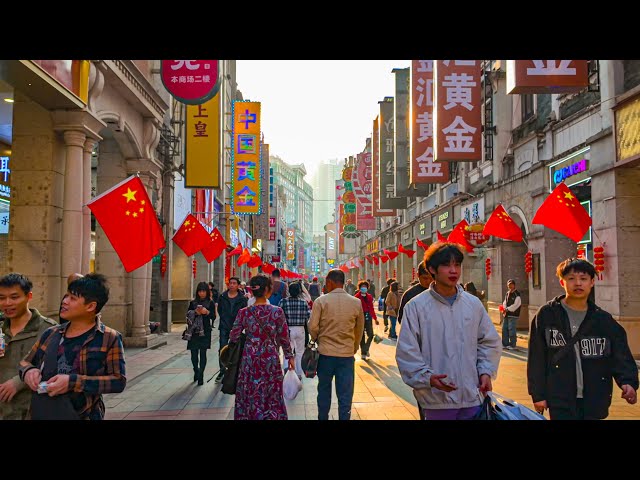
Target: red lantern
(528, 263)
(598, 257)
(487, 267)
(386, 275)
(234, 272)
(194, 267)
(394, 273)
(413, 274)
(163, 265)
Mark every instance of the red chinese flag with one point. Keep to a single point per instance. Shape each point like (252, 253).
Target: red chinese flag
(376, 260)
(422, 244)
(501, 225)
(255, 261)
(368, 258)
(344, 268)
(129, 221)
(391, 255)
(191, 237)
(244, 257)
(268, 268)
(384, 258)
(441, 238)
(562, 212)
(215, 248)
(407, 252)
(235, 251)
(457, 236)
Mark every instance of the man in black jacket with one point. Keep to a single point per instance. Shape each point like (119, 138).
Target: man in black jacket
(383, 295)
(424, 279)
(576, 349)
(229, 304)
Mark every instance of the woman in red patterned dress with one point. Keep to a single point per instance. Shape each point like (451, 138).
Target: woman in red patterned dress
(259, 389)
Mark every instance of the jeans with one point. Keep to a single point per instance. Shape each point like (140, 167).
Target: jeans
(451, 413)
(392, 330)
(224, 339)
(368, 330)
(344, 371)
(509, 338)
(296, 337)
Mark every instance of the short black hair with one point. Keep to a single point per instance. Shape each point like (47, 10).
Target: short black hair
(422, 269)
(276, 272)
(295, 289)
(441, 253)
(390, 281)
(93, 288)
(575, 265)
(363, 282)
(204, 287)
(336, 275)
(13, 279)
(236, 279)
(259, 284)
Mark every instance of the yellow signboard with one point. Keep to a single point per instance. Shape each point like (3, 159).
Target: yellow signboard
(628, 130)
(246, 178)
(202, 152)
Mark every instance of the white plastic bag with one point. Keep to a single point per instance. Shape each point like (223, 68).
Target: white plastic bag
(291, 385)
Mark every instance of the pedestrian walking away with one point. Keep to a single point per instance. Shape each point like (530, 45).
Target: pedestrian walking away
(89, 356)
(383, 295)
(511, 311)
(577, 350)
(259, 393)
(392, 304)
(231, 301)
(297, 312)
(21, 326)
(337, 323)
(314, 289)
(200, 315)
(369, 317)
(448, 350)
(280, 289)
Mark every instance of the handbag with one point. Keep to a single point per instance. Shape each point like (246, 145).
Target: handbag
(498, 407)
(59, 407)
(310, 359)
(230, 357)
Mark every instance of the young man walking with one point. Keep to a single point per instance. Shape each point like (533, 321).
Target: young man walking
(448, 350)
(576, 349)
(337, 323)
(511, 311)
(21, 326)
(383, 294)
(229, 304)
(89, 356)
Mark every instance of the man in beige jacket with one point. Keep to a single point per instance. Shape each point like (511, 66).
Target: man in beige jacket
(337, 323)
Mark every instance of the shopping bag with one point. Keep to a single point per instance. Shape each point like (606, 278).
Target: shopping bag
(377, 338)
(291, 385)
(507, 409)
(486, 412)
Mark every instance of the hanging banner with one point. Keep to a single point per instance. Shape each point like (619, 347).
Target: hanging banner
(202, 146)
(191, 81)
(246, 178)
(261, 222)
(348, 218)
(361, 180)
(458, 119)
(423, 168)
(375, 175)
(290, 243)
(387, 175)
(331, 247)
(547, 76)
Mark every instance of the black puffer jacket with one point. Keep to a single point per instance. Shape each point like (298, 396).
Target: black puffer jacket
(227, 313)
(604, 353)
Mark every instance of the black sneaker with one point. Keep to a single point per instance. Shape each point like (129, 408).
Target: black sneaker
(219, 377)
(196, 374)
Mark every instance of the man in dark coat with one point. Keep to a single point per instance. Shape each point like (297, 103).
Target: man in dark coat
(229, 304)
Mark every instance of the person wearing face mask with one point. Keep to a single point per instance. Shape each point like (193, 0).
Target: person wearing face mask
(369, 318)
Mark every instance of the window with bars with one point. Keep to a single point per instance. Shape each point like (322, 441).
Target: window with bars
(527, 106)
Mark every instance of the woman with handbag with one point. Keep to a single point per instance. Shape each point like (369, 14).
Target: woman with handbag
(204, 307)
(259, 393)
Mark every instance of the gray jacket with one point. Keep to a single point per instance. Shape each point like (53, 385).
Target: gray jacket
(458, 340)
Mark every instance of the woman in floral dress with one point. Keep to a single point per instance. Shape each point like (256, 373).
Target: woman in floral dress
(259, 389)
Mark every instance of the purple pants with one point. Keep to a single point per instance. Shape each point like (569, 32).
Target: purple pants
(451, 413)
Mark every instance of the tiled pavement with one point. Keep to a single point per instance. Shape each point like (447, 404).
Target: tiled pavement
(160, 387)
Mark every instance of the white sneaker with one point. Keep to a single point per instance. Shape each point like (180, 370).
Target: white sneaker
(508, 347)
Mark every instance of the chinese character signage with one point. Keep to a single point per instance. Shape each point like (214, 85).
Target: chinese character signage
(375, 175)
(546, 76)
(458, 119)
(4, 217)
(374, 246)
(348, 216)
(290, 242)
(330, 248)
(473, 213)
(191, 81)
(423, 168)
(5, 175)
(246, 181)
(627, 129)
(261, 222)
(361, 180)
(387, 158)
(202, 151)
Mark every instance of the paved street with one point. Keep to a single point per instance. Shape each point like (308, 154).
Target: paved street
(161, 387)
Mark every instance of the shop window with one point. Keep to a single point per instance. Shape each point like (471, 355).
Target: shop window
(527, 106)
(536, 271)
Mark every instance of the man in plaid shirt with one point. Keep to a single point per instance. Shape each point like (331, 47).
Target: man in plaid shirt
(297, 312)
(90, 355)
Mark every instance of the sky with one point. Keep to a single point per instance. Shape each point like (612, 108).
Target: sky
(315, 110)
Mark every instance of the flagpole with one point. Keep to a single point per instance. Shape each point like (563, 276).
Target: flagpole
(599, 239)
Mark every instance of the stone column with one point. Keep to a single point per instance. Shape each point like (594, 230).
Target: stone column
(89, 144)
(72, 230)
(141, 287)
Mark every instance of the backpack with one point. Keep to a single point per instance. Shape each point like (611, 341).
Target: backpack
(276, 297)
(314, 290)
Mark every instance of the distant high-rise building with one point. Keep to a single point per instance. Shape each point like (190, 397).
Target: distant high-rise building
(324, 193)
